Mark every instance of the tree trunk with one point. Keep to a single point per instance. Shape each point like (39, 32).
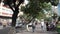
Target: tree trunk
(14, 17)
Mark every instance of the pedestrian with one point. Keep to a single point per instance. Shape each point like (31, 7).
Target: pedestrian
(53, 25)
(4, 23)
(42, 25)
(33, 25)
(47, 26)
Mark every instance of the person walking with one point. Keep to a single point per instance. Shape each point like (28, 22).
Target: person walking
(4, 23)
(47, 26)
(34, 26)
(42, 25)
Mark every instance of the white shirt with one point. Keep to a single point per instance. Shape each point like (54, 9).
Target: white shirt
(42, 23)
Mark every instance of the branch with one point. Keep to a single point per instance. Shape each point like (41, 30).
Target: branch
(14, 3)
(20, 1)
(18, 4)
(31, 20)
(11, 7)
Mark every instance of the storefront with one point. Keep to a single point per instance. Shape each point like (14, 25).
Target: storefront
(5, 14)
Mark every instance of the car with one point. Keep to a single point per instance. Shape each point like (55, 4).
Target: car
(18, 25)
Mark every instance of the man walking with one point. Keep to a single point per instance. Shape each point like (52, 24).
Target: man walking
(42, 25)
(33, 26)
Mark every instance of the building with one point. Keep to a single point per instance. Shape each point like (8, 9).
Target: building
(5, 13)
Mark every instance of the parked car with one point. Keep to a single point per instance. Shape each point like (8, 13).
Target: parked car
(18, 25)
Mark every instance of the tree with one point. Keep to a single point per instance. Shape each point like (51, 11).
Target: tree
(54, 2)
(0, 1)
(35, 7)
(14, 6)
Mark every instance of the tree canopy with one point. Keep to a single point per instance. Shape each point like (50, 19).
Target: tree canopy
(35, 7)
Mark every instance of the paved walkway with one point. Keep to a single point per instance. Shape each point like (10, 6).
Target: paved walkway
(4, 30)
(38, 31)
(1, 27)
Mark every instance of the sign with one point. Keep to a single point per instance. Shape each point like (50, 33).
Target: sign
(4, 11)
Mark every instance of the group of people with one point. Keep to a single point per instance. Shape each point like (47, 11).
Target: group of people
(45, 25)
(50, 26)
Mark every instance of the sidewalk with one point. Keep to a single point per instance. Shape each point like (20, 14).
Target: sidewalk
(1, 27)
(4, 30)
(38, 31)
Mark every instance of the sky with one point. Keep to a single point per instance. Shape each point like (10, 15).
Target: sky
(59, 9)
